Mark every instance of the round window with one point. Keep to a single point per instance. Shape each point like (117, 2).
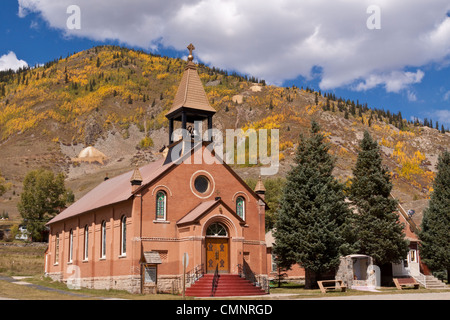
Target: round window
(201, 184)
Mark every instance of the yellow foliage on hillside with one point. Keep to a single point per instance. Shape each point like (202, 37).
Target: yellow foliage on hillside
(270, 122)
(409, 165)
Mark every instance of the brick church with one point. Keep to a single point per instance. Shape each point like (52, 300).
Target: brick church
(132, 231)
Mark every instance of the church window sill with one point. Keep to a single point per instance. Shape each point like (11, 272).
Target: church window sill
(161, 221)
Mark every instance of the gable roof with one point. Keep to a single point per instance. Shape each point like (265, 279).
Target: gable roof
(119, 189)
(202, 209)
(112, 191)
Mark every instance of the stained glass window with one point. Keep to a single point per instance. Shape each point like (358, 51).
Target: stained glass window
(240, 207)
(160, 206)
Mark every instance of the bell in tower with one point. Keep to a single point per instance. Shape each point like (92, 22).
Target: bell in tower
(190, 107)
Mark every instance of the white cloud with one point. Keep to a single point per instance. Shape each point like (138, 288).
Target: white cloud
(276, 40)
(411, 96)
(442, 116)
(10, 61)
(393, 82)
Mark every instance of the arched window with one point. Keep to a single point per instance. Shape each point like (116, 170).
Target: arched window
(216, 230)
(123, 236)
(70, 245)
(57, 249)
(86, 243)
(240, 207)
(161, 205)
(103, 240)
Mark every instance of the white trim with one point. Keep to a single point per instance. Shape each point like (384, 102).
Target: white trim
(240, 193)
(123, 224)
(207, 223)
(161, 186)
(70, 246)
(103, 240)
(86, 243)
(212, 183)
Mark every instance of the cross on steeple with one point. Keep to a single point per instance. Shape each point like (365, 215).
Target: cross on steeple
(191, 48)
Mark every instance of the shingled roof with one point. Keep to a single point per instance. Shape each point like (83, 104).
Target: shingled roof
(112, 191)
(190, 92)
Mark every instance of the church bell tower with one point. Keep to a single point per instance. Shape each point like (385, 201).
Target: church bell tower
(190, 106)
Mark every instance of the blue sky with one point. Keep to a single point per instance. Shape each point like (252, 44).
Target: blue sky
(390, 55)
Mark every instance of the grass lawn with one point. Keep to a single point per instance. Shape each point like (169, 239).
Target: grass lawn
(29, 261)
(21, 260)
(15, 291)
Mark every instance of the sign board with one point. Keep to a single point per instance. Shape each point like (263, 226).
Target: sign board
(150, 274)
(185, 259)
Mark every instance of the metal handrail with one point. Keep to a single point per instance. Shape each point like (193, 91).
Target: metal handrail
(215, 281)
(258, 281)
(195, 274)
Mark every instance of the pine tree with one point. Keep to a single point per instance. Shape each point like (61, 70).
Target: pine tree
(313, 214)
(377, 228)
(435, 233)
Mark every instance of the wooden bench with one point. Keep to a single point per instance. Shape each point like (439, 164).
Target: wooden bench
(406, 282)
(336, 285)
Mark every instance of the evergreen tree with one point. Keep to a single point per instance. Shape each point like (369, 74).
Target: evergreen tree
(43, 196)
(313, 214)
(377, 228)
(435, 233)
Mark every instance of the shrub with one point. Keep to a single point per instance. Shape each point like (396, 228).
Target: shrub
(146, 143)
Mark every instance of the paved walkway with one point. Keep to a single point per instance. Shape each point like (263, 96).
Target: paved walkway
(399, 296)
(17, 280)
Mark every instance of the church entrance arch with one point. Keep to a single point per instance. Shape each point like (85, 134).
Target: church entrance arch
(217, 248)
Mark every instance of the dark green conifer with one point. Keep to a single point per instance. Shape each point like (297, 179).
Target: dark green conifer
(378, 231)
(435, 232)
(313, 215)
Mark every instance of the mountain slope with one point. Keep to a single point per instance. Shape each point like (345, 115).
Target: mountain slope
(112, 98)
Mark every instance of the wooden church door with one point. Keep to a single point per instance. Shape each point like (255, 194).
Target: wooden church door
(217, 255)
(217, 250)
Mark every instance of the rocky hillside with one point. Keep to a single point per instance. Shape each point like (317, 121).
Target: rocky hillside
(115, 100)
